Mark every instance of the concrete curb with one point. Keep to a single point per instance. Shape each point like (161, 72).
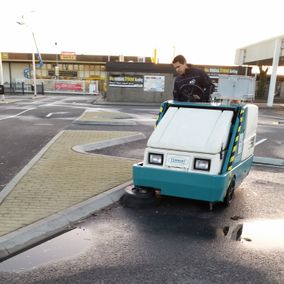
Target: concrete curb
(115, 123)
(270, 124)
(105, 144)
(266, 161)
(35, 233)
(104, 102)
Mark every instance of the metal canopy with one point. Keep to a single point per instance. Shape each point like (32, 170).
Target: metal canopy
(269, 52)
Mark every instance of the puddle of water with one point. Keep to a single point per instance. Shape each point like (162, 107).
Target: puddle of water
(261, 234)
(65, 245)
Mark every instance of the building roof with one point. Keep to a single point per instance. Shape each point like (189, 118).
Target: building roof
(76, 58)
(260, 53)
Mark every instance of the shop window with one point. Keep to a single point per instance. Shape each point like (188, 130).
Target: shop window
(81, 74)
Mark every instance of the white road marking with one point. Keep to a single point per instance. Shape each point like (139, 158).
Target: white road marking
(12, 116)
(58, 112)
(44, 124)
(260, 141)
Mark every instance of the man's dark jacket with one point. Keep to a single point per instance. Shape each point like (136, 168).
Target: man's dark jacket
(193, 86)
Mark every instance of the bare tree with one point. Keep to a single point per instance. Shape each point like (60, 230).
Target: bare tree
(262, 82)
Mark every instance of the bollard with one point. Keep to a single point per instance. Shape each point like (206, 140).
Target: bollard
(2, 92)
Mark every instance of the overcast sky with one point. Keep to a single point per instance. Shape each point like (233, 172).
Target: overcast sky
(206, 32)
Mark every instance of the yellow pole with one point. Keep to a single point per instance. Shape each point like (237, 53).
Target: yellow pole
(155, 56)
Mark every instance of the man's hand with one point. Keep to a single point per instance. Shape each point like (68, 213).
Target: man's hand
(196, 97)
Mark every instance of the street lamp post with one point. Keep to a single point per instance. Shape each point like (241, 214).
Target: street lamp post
(33, 54)
(56, 69)
(34, 75)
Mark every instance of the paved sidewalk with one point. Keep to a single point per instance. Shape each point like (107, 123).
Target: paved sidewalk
(105, 117)
(8, 99)
(62, 185)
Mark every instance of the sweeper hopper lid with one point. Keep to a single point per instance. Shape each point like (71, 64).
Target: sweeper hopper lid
(192, 130)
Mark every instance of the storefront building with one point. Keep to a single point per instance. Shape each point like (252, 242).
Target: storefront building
(118, 78)
(153, 83)
(65, 72)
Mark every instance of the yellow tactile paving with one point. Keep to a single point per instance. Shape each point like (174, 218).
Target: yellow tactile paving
(62, 178)
(101, 115)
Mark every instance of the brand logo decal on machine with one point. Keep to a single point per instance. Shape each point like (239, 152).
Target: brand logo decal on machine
(177, 161)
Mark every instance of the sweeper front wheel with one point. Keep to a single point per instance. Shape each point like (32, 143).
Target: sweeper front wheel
(139, 197)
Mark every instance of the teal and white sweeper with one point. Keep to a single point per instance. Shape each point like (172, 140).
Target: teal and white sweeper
(198, 151)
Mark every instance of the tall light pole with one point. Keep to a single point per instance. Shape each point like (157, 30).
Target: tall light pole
(22, 22)
(56, 69)
(34, 69)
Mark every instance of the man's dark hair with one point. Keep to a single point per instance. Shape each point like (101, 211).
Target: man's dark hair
(179, 58)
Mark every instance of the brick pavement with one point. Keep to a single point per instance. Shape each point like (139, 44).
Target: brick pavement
(62, 178)
(104, 117)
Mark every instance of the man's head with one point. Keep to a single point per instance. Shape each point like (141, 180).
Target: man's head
(180, 64)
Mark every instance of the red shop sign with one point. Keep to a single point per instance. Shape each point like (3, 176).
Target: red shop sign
(68, 87)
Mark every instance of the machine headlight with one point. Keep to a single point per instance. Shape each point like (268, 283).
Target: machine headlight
(156, 159)
(202, 164)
